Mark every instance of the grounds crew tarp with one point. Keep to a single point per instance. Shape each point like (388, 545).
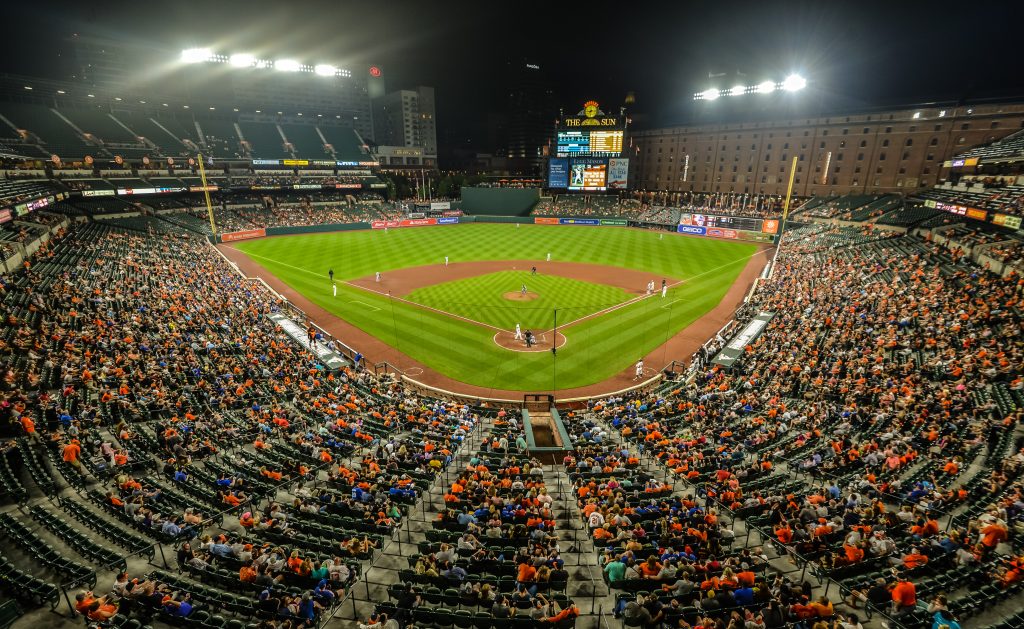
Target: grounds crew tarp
(734, 349)
(331, 359)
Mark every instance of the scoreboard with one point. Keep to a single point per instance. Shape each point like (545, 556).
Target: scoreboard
(747, 223)
(591, 143)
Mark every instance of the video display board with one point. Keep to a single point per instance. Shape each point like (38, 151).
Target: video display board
(558, 172)
(731, 222)
(618, 173)
(588, 174)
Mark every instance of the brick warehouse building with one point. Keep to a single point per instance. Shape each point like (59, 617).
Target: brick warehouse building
(900, 150)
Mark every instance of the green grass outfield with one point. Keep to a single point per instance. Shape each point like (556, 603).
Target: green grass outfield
(595, 349)
(482, 298)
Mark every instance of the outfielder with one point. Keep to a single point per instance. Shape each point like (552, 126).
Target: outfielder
(519, 333)
(549, 256)
(335, 287)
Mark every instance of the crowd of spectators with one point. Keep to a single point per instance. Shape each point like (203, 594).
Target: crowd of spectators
(168, 356)
(845, 433)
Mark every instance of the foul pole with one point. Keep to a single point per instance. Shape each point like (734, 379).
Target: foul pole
(206, 193)
(785, 214)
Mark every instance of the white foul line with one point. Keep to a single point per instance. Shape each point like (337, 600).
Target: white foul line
(643, 297)
(382, 294)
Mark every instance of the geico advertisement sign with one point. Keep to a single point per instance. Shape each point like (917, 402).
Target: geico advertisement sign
(692, 229)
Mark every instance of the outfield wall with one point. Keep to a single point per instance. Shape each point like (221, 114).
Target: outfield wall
(489, 218)
(499, 201)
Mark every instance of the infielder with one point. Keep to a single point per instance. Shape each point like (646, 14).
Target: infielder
(639, 369)
(664, 288)
(446, 260)
(522, 291)
(519, 333)
(650, 287)
(549, 256)
(377, 277)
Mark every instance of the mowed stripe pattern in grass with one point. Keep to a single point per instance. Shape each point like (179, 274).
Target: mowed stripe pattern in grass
(596, 349)
(482, 298)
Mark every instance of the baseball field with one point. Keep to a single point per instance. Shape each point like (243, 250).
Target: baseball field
(459, 318)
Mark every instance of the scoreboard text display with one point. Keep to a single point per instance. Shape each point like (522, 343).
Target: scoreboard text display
(589, 142)
(730, 222)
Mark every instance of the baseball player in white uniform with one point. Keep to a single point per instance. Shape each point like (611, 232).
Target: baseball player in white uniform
(446, 260)
(377, 276)
(664, 288)
(639, 369)
(335, 287)
(519, 333)
(549, 256)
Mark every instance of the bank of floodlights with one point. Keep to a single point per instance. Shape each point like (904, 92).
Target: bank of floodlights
(792, 83)
(246, 60)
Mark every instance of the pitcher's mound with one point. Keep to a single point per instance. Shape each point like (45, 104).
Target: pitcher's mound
(518, 296)
(542, 341)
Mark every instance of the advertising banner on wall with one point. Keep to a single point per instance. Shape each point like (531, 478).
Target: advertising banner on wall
(693, 230)
(1013, 222)
(448, 220)
(409, 222)
(614, 222)
(558, 172)
(5, 215)
(579, 221)
(618, 173)
(440, 205)
(243, 235)
(545, 220)
(718, 232)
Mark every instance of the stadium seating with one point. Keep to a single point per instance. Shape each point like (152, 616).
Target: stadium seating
(884, 396)
(53, 132)
(1012, 146)
(305, 139)
(264, 139)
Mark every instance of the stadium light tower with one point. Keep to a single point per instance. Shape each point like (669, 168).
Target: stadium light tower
(195, 55)
(794, 82)
(242, 60)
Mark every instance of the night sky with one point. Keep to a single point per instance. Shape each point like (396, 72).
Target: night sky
(856, 55)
